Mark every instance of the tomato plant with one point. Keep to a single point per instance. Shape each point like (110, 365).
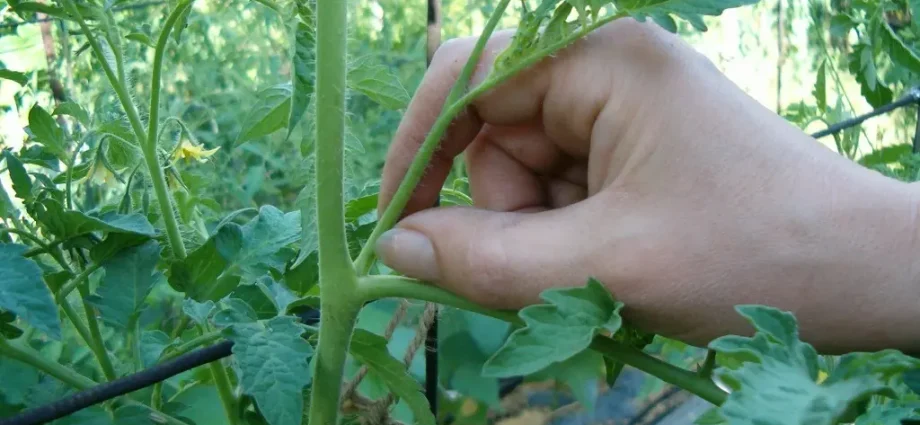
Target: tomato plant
(117, 259)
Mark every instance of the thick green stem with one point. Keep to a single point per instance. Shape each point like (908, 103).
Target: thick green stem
(336, 327)
(150, 153)
(225, 390)
(96, 343)
(375, 287)
(331, 21)
(68, 376)
(36, 360)
(340, 304)
(422, 158)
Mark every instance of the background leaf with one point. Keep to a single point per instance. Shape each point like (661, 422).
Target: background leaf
(371, 349)
(24, 293)
(129, 277)
(272, 360)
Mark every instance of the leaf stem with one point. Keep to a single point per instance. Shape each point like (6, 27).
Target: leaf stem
(224, 390)
(423, 156)
(96, 342)
(375, 287)
(191, 345)
(81, 329)
(68, 376)
(77, 280)
(150, 153)
(35, 359)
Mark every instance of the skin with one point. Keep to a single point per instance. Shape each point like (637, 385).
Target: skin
(630, 158)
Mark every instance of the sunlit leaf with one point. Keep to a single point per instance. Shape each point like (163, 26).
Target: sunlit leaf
(74, 110)
(46, 131)
(557, 330)
(690, 10)
(379, 85)
(22, 182)
(18, 77)
(269, 113)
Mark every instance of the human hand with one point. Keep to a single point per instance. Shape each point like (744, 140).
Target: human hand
(630, 158)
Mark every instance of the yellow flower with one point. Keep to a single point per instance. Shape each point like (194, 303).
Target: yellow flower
(99, 174)
(190, 151)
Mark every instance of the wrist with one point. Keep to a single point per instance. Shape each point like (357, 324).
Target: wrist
(875, 281)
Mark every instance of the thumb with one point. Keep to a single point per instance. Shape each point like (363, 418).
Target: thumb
(496, 259)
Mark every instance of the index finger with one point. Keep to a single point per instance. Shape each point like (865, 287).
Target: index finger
(516, 100)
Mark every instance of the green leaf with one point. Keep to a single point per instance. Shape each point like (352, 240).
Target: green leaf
(461, 363)
(46, 131)
(820, 90)
(304, 276)
(691, 11)
(377, 83)
(778, 376)
(24, 293)
(129, 277)
(22, 183)
(272, 360)
(234, 311)
(141, 38)
(199, 312)
(260, 240)
(31, 6)
(153, 343)
(885, 415)
(70, 223)
(861, 63)
(371, 350)
(886, 155)
(899, 52)
(257, 297)
(18, 378)
(6, 205)
(269, 114)
(556, 331)
(115, 243)
(582, 373)
(306, 203)
(201, 275)
(181, 23)
(358, 207)
(41, 156)
(7, 329)
(79, 171)
(15, 76)
(303, 64)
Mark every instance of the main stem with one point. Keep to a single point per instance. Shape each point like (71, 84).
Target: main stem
(337, 279)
